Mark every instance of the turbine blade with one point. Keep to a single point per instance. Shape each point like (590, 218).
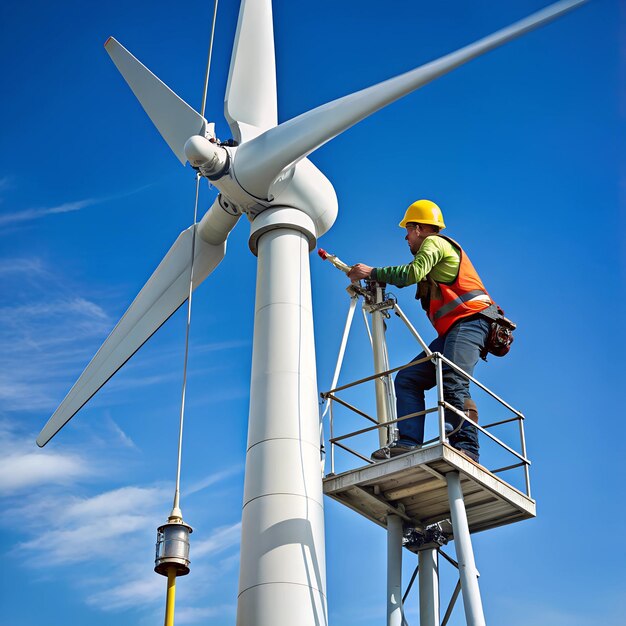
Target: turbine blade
(160, 297)
(261, 160)
(250, 102)
(172, 116)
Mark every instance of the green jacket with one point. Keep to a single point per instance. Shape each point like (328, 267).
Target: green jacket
(436, 256)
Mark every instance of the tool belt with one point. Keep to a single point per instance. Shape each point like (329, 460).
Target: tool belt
(500, 335)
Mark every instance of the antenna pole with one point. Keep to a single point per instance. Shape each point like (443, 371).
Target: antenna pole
(171, 596)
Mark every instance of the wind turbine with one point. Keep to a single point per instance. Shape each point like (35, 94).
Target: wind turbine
(264, 174)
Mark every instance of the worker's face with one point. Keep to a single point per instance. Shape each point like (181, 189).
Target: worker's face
(414, 237)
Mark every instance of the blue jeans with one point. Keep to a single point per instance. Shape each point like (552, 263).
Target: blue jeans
(461, 345)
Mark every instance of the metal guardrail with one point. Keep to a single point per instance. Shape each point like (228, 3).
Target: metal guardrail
(438, 360)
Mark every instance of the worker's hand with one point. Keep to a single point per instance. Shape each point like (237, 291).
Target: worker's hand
(358, 271)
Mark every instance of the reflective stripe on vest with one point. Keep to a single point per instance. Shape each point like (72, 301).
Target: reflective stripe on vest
(466, 297)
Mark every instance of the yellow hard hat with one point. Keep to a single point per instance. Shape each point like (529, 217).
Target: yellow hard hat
(423, 212)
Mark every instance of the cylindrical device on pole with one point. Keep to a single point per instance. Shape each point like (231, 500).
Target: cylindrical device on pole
(282, 580)
(395, 615)
(172, 549)
(428, 561)
(468, 573)
(385, 394)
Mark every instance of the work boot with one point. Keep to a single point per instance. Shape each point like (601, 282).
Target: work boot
(470, 455)
(395, 448)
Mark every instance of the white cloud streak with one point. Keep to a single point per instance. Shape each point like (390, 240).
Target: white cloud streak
(89, 533)
(6, 182)
(122, 437)
(28, 215)
(140, 590)
(31, 214)
(20, 470)
(221, 539)
(24, 467)
(211, 479)
(47, 340)
(42, 340)
(73, 306)
(27, 266)
(192, 615)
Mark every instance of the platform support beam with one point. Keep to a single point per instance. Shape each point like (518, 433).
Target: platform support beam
(428, 561)
(395, 614)
(468, 573)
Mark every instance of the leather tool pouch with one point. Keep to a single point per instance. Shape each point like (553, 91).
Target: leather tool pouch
(500, 336)
(427, 290)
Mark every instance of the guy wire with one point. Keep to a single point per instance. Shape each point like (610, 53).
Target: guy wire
(186, 358)
(208, 65)
(176, 506)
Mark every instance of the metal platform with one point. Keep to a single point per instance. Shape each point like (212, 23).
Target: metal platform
(413, 486)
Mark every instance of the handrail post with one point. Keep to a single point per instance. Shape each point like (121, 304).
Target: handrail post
(523, 446)
(331, 422)
(440, 407)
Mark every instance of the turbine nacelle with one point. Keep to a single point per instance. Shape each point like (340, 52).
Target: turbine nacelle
(302, 187)
(211, 159)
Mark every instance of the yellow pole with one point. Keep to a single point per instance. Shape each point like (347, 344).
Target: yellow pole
(171, 596)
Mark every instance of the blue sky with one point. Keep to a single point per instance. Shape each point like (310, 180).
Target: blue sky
(520, 149)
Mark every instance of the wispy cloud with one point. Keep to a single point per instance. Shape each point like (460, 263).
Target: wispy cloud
(68, 529)
(42, 340)
(24, 265)
(139, 589)
(48, 335)
(212, 479)
(73, 306)
(28, 215)
(191, 615)
(87, 531)
(23, 466)
(87, 541)
(122, 437)
(222, 539)
(6, 182)
(36, 213)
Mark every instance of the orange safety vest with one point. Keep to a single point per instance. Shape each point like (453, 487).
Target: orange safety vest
(466, 295)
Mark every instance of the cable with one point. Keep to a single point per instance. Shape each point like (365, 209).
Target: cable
(208, 65)
(176, 512)
(176, 506)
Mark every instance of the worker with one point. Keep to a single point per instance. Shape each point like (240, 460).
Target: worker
(460, 309)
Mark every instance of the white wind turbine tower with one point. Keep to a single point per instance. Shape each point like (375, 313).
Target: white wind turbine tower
(289, 204)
